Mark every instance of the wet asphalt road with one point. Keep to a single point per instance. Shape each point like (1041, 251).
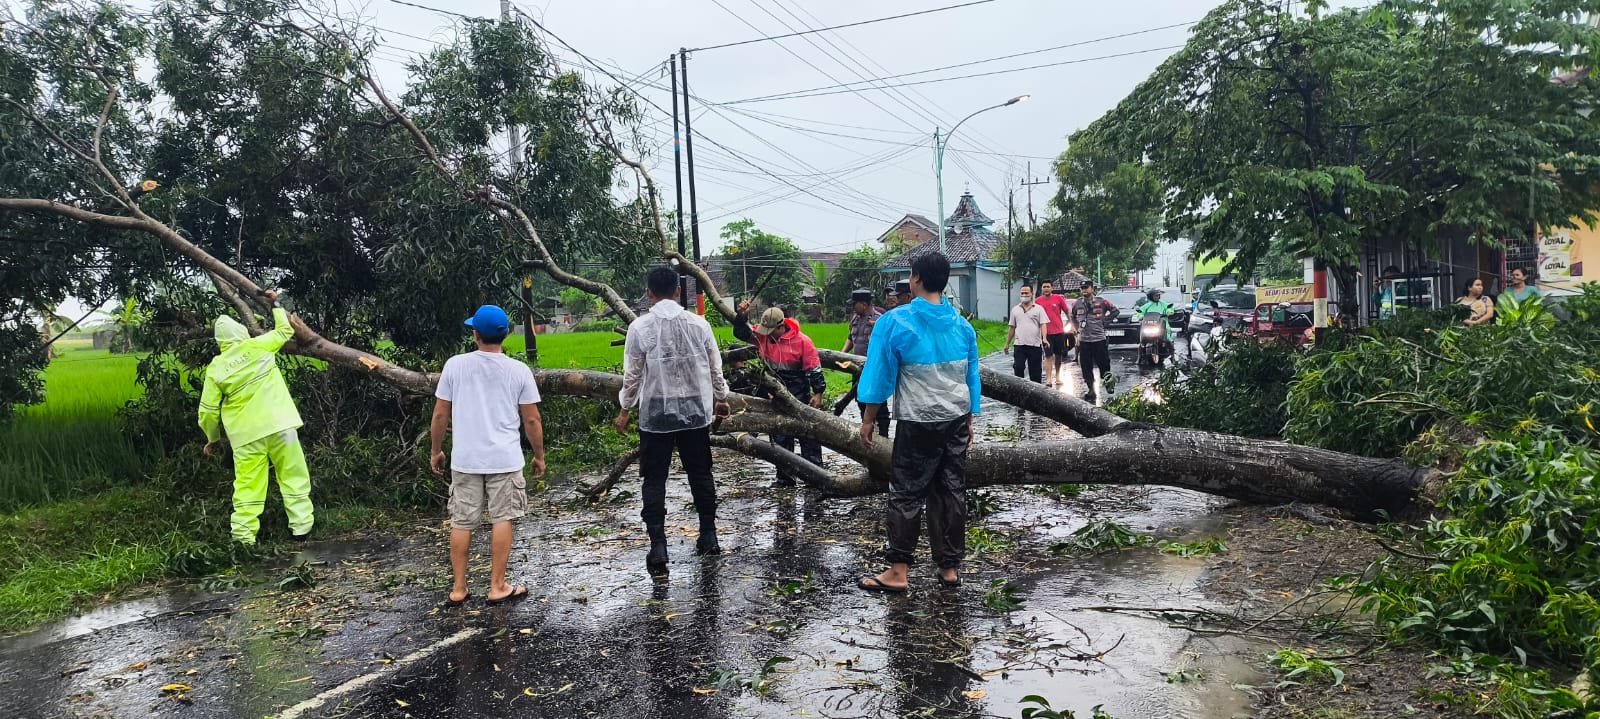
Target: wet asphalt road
(599, 637)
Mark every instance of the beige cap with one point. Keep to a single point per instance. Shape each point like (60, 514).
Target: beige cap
(771, 320)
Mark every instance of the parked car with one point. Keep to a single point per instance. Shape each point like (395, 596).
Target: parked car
(1225, 306)
(1125, 328)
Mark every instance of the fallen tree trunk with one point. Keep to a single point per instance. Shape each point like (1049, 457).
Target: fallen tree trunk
(1131, 453)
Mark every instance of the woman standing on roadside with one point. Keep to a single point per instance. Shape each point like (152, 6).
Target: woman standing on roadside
(1482, 308)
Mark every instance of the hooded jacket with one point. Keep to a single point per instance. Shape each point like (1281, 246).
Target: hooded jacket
(671, 370)
(792, 358)
(926, 357)
(244, 391)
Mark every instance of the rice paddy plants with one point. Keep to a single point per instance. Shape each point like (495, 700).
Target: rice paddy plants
(72, 444)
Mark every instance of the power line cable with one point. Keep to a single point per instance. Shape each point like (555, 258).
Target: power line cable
(1130, 53)
(983, 61)
(865, 72)
(703, 137)
(836, 27)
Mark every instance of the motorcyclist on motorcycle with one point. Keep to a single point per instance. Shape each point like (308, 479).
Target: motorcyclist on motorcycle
(1153, 303)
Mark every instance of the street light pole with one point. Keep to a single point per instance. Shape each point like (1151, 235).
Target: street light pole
(939, 143)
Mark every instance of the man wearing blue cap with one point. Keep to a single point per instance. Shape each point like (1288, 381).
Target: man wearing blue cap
(487, 397)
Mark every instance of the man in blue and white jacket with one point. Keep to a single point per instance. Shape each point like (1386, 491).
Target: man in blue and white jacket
(926, 356)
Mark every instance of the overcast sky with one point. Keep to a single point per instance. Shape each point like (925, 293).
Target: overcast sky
(890, 171)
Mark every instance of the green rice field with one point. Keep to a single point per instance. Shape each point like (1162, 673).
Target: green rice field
(72, 444)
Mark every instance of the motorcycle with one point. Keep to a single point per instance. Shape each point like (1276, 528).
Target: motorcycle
(1155, 328)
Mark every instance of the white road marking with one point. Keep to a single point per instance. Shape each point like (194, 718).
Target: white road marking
(299, 710)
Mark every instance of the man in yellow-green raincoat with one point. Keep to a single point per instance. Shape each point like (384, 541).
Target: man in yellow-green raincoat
(245, 393)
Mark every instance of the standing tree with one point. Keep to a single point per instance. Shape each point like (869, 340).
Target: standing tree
(1319, 132)
(1106, 210)
(752, 258)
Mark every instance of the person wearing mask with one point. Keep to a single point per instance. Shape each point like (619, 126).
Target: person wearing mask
(1520, 291)
(926, 356)
(792, 358)
(1058, 342)
(863, 317)
(1091, 313)
(672, 373)
(485, 397)
(245, 395)
(1481, 309)
(1027, 325)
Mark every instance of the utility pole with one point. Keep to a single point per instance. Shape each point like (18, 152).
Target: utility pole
(677, 169)
(688, 151)
(514, 139)
(1011, 248)
(1032, 221)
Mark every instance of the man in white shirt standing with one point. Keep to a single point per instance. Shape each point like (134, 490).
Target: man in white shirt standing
(672, 372)
(487, 397)
(1027, 327)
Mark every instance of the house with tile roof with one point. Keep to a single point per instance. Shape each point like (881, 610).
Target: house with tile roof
(976, 275)
(911, 230)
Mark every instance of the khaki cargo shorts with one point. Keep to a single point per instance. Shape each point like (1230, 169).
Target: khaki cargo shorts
(504, 495)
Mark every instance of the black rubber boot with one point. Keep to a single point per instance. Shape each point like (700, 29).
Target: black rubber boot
(707, 544)
(656, 560)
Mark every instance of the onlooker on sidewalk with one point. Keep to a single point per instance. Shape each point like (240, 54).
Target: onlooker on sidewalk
(1091, 313)
(1027, 326)
(485, 398)
(1519, 291)
(792, 357)
(1058, 341)
(863, 317)
(672, 371)
(926, 356)
(1482, 310)
(245, 395)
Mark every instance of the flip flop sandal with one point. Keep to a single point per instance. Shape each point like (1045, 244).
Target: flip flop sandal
(448, 602)
(517, 592)
(947, 583)
(871, 584)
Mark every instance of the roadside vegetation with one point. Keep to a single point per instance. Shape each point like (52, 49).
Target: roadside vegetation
(1499, 579)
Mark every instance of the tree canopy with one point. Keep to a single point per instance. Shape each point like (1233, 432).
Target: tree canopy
(752, 258)
(1320, 131)
(1106, 209)
(262, 145)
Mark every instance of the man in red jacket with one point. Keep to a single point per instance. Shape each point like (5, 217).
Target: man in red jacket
(792, 358)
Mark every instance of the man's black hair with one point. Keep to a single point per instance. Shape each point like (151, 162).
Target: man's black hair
(934, 271)
(662, 282)
(500, 340)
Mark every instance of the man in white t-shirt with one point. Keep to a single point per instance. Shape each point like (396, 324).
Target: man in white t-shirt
(487, 397)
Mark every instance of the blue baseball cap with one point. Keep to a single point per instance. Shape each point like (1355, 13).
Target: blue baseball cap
(490, 321)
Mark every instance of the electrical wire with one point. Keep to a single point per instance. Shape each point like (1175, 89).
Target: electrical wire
(860, 70)
(1113, 56)
(839, 27)
(983, 61)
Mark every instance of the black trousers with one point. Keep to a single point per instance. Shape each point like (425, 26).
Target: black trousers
(883, 417)
(655, 458)
(929, 469)
(810, 451)
(1030, 358)
(1090, 356)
